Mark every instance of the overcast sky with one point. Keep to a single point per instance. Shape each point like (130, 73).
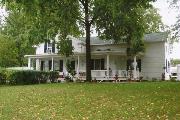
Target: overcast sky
(169, 18)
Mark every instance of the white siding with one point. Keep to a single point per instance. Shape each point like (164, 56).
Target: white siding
(40, 49)
(153, 61)
(121, 48)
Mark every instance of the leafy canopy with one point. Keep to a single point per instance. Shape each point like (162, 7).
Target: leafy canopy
(16, 29)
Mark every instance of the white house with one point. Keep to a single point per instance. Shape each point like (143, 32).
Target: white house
(108, 59)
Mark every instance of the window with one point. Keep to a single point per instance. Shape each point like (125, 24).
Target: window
(97, 64)
(49, 47)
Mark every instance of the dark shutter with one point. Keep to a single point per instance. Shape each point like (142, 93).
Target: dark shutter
(53, 47)
(45, 47)
(50, 64)
(61, 65)
(139, 64)
(102, 64)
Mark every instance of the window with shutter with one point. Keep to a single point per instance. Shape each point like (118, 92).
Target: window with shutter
(97, 64)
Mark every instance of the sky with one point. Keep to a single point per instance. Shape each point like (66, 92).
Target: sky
(169, 18)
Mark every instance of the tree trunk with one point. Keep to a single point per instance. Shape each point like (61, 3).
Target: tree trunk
(88, 54)
(88, 47)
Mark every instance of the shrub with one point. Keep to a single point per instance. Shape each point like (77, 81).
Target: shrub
(26, 77)
(53, 76)
(2, 77)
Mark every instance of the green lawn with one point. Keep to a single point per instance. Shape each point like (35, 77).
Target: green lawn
(106, 101)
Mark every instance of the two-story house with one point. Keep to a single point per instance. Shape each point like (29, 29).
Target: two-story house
(108, 59)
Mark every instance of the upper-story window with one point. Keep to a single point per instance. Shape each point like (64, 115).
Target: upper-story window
(49, 47)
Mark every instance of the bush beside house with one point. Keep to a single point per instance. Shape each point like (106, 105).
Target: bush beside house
(26, 77)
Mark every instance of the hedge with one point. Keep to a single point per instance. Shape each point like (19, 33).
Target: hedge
(26, 77)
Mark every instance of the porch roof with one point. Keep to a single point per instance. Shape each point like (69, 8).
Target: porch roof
(122, 53)
(151, 37)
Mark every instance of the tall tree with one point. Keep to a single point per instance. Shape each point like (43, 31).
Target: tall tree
(8, 52)
(115, 19)
(176, 27)
(16, 29)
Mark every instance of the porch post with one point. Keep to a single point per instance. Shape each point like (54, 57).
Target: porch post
(29, 63)
(78, 66)
(52, 65)
(178, 72)
(37, 64)
(135, 71)
(108, 66)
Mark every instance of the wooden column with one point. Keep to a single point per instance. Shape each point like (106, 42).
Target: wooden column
(135, 71)
(107, 66)
(52, 65)
(78, 66)
(29, 63)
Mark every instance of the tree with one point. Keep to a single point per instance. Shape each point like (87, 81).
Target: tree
(152, 20)
(175, 62)
(15, 29)
(7, 52)
(176, 26)
(115, 19)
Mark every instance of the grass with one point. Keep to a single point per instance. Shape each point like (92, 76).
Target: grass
(129, 101)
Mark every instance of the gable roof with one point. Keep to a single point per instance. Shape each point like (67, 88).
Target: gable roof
(156, 37)
(152, 37)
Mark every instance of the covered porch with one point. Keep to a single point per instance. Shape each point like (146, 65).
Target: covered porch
(108, 66)
(105, 66)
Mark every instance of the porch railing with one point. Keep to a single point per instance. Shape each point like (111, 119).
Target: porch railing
(102, 74)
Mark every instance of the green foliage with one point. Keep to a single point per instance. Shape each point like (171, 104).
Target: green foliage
(8, 52)
(70, 70)
(152, 21)
(175, 62)
(17, 29)
(2, 77)
(20, 77)
(138, 46)
(176, 27)
(65, 47)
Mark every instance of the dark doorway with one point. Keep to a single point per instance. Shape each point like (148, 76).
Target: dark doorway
(61, 65)
(50, 65)
(73, 65)
(42, 65)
